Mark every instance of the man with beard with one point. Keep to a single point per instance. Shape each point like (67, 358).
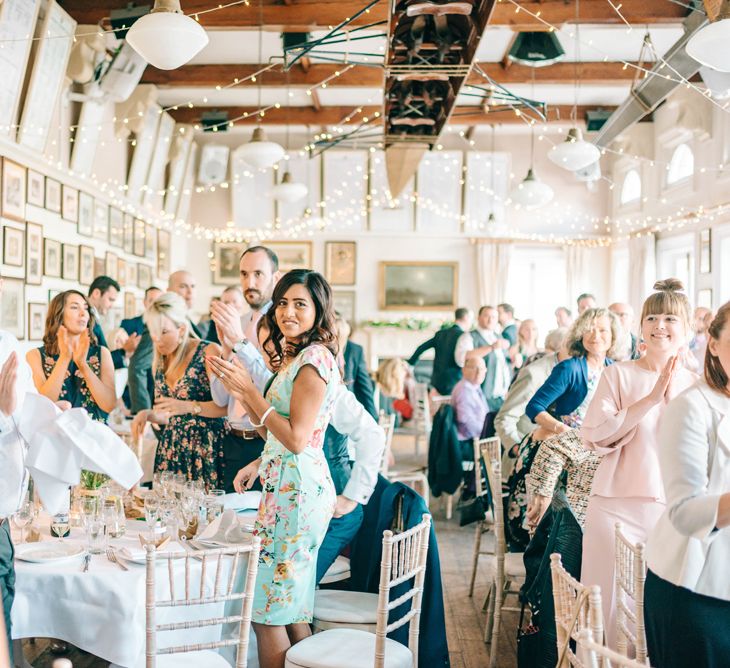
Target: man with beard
(259, 272)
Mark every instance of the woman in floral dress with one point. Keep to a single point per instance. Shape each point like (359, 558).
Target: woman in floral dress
(298, 494)
(193, 426)
(70, 365)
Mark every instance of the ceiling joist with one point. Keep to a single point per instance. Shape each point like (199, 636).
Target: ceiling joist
(305, 15)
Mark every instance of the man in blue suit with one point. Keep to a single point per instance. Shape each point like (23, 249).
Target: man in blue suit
(103, 292)
(135, 326)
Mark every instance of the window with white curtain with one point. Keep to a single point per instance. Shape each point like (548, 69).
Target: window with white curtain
(681, 165)
(676, 259)
(619, 275)
(537, 285)
(631, 188)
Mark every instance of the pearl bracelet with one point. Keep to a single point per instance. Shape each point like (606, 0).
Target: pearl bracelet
(263, 418)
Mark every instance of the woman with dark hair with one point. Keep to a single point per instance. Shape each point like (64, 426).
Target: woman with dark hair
(687, 595)
(71, 365)
(298, 497)
(621, 428)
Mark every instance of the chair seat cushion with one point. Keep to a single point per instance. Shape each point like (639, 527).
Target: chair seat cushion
(207, 658)
(339, 570)
(345, 648)
(347, 607)
(514, 564)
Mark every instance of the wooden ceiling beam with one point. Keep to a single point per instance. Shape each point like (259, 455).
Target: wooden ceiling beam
(210, 76)
(305, 15)
(334, 115)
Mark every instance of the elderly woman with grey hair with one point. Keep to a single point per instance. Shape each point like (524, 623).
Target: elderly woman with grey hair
(558, 408)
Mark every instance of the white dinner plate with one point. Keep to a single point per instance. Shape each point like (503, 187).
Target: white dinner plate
(48, 551)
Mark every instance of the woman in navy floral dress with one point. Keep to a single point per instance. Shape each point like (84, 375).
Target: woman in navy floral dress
(191, 438)
(70, 365)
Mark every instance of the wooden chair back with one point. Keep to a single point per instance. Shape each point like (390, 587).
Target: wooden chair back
(596, 655)
(630, 578)
(403, 558)
(576, 608)
(198, 591)
(421, 409)
(387, 422)
(488, 454)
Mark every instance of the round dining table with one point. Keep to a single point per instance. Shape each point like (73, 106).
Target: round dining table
(101, 610)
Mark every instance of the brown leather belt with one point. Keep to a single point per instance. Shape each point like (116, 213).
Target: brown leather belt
(245, 434)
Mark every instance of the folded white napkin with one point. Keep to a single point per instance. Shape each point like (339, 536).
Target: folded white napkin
(140, 554)
(61, 444)
(245, 501)
(224, 530)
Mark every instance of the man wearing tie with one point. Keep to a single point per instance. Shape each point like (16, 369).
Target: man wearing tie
(140, 365)
(259, 272)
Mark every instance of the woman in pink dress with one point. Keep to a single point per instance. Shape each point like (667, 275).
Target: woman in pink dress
(621, 424)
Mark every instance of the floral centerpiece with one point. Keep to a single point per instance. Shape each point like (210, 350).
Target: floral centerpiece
(90, 482)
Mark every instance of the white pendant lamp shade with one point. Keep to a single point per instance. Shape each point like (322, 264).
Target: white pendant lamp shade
(710, 45)
(532, 193)
(289, 191)
(260, 152)
(574, 153)
(166, 38)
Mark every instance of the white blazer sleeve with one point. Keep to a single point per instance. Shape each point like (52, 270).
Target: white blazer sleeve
(684, 449)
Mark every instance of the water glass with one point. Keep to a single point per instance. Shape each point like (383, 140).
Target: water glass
(95, 535)
(214, 504)
(113, 516)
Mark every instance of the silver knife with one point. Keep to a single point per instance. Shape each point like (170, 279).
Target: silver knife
(87, 561)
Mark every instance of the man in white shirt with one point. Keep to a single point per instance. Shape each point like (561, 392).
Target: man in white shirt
(15, 381)
(484, 341)
(259, 272)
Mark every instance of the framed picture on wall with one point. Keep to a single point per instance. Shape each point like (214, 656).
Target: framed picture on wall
(99, 266)
(122, 271)
(340, 262)
(292, 254)
(53, 195)
(36, 189)
(131, 274)
(52, 258)
(704, 298)
(111, 266)
(52, 293)
(36, 320)
(144, 276)
(422, 286)
(226, 261)
(128, 234)
(13, 246)
(139, 242)
(13, 190)
(130, 305)
(86, 215)
(33, 254)
(116, 227)
(163, 253)
(86, 265)
(344, 302)
(70, 262)
(12, 307)
(70, 204)
(149, 241)
(101, 221)
(705, 251)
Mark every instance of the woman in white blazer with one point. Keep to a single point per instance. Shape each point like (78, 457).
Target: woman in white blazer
(687, 595)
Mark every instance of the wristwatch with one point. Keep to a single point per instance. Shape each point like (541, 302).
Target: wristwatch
(196, 408)
(239, 344)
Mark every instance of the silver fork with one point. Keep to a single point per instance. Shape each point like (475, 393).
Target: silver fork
(113, 558)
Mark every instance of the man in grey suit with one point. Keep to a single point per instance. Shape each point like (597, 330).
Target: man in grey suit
(511, 423)
(183, 283)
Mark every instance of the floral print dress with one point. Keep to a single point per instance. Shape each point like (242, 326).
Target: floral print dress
(191, 444)
(297, 503)
(74, 389)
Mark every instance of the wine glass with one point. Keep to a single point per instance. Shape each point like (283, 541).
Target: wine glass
(23, 517)
(151, 512)
(166, 478)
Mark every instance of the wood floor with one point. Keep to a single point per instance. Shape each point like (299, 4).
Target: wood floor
(464, 615)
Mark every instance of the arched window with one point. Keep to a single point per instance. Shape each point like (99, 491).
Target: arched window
(682, 165)
(631, 189)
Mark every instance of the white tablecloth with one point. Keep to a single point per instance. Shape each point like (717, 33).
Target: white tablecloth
(102, 611)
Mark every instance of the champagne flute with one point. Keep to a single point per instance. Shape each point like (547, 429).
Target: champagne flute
(151, 512)
(23, 517)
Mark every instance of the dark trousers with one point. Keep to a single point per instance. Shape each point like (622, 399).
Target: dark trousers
(340, 533)
(7, 577)
(237, 452)
(685, 629)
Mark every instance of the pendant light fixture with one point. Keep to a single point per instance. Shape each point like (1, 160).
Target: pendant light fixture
(710, 45)
(260, 152)
(575, 153)
(288, 190)
(166, 38)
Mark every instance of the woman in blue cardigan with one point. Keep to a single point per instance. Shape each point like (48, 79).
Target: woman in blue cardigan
(560, 405)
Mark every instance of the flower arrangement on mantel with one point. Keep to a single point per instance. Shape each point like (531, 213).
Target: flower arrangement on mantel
(91, 481)
(412, 324)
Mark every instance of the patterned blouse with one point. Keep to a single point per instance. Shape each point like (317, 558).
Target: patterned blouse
(74, 389)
